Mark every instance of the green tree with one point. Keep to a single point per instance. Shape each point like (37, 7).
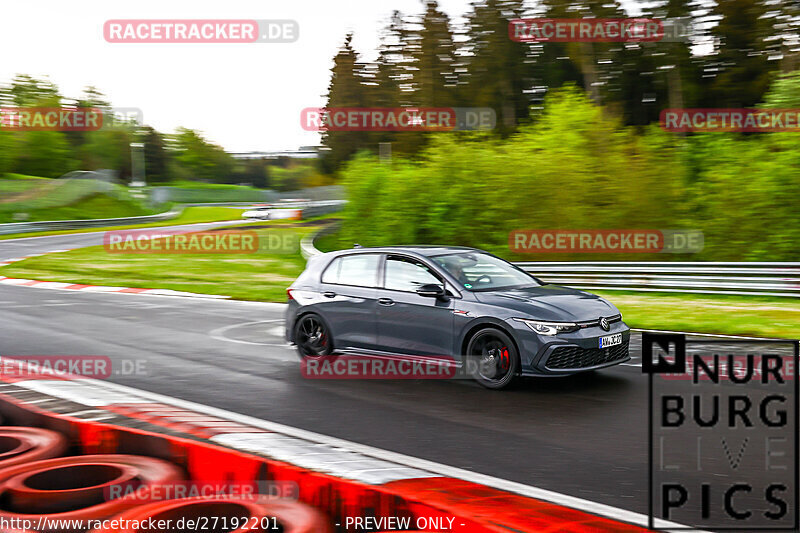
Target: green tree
(252, 171)
(784, 92)
(741, 53)
(91, 98)
(575, 167)
(433, 51)
(45, 153)
(497, 72)
(27, 91)
(199, 159)
(677, 71)
(346, 89)
(155, 156)
(8, 151)
(108, 148)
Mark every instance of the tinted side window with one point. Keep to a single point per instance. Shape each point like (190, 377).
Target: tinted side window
(407, 275)
(360, 270)
(331, 274)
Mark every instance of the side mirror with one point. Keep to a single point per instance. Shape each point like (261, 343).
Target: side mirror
(433, 290)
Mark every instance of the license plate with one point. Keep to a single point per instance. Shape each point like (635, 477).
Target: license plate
(610, 340)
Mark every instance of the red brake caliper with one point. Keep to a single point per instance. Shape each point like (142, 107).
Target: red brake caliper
(505, 361)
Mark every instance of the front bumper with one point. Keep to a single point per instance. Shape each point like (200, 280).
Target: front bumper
(568, 353)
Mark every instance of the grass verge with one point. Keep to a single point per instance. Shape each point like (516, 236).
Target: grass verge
(26, 199)
(188, 192)
(264, 276)
(260, 276)
(730, 315)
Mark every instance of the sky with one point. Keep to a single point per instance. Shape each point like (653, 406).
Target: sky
(244, 97)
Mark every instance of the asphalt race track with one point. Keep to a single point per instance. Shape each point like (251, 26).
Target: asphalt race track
(585, 436)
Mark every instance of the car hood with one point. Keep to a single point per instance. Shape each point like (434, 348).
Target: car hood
(550, 302)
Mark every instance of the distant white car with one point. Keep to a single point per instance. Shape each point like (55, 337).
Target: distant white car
(260, 213)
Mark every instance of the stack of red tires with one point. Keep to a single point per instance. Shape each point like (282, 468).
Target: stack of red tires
(41, 485)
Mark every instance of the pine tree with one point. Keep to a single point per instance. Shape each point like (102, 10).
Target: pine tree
(392, 80)
(600, 64)
(433, 52)
(497, 73)
(741, 57)
(346, 89)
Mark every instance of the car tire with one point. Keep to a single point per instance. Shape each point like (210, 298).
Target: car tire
(492, 358)
(312, 326)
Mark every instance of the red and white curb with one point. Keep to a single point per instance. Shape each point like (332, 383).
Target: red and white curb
(59, 285)
(100, 401)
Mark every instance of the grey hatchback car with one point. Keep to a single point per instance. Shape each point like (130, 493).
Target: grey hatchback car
(480, 312)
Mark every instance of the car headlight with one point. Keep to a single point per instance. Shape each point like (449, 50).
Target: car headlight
(548, 328)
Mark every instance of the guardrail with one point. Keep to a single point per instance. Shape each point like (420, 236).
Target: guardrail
(322, 201)
(750, 278)
(58, 225)
(307, 248)
(322, 207)
(163, 194)
(735, 278)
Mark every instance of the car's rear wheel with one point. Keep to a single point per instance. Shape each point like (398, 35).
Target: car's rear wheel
(492, 358)
(312, 337)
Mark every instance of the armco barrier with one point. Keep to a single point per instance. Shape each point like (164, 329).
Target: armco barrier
(322, 207)
(313, 208)
(307, 248)
(474, 508)
(58, 225)
(163, 194)
(742, 278)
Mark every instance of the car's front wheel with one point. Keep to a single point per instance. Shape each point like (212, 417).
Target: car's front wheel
(312, 337)
(492, 358)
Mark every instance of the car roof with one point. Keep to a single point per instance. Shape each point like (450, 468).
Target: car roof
(420, 249)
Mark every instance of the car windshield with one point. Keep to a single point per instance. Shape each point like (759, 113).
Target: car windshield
(476, 271)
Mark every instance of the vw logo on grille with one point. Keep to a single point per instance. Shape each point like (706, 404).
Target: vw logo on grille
(604, 323)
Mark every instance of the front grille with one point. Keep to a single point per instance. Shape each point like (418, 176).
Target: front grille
(571, 357)
(596, 323)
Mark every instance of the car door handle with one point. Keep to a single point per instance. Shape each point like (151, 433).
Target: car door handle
(329, 294)
(386, 301)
